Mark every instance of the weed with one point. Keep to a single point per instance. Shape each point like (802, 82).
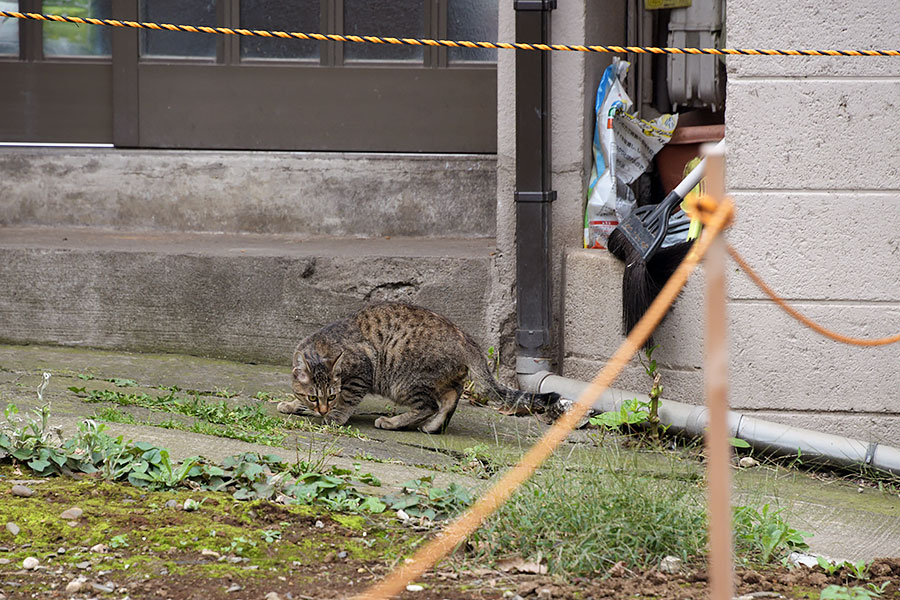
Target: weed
(826, 565)
(249, 423)
(851, 570)
(419, 498)
(637, 412)
(655, 390)
(632, 412)
(613, 512)
(764, 536)
(842, 592)
(270, 536)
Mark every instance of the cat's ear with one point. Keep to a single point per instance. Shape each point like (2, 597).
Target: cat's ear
(336, 365)
(301, 371)
(301, 374)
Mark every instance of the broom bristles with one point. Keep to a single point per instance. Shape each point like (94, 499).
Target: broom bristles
(642, 280)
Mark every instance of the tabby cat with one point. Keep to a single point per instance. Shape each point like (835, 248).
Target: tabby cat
(409, 354)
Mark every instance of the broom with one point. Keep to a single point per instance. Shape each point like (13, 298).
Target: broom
(637, 241)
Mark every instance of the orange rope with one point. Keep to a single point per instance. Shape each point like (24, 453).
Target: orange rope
(838, 337)
(457, 531)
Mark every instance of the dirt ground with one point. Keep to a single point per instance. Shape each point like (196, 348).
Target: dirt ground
(129, 543)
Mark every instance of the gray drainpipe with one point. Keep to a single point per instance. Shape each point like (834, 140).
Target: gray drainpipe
(764, 436)
(533, 194)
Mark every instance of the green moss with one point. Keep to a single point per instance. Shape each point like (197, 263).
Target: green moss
(350, 521)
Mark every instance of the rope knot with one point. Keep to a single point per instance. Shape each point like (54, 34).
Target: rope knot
(704, 206)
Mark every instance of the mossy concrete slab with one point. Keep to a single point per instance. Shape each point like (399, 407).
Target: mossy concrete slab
(846, 523)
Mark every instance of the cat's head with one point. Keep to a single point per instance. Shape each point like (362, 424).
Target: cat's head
(316, 381)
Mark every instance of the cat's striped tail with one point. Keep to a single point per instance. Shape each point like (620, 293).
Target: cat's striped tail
(511, 401)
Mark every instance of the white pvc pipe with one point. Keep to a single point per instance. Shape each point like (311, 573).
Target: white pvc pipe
(765, 436)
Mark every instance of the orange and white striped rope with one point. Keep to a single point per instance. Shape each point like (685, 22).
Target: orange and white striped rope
(372, 39)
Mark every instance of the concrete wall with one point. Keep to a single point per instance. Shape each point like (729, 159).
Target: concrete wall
(301, 193)
(812, 164)
(813, 146)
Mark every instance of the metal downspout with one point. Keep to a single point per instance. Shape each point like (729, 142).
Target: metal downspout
(764, 436)
(533, 194)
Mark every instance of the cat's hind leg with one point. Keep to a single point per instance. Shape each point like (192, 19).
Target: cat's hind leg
(423, 405)
(447, 406)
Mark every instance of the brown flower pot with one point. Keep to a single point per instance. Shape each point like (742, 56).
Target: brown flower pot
(684, 145)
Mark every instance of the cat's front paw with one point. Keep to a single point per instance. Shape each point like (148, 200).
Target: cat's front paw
(383, 423)
(290, 407)
(335, 419)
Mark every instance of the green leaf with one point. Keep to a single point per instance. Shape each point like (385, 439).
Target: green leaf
(23, 454)
(739, 443)
(39, 466)
(77, 390)
(123, 382)
(373, 505)
(244, 494)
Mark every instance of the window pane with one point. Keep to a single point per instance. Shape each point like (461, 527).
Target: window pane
(68, 39)
(473, 21)
(283, 15)
(384, 18)
(177, 43)
(9, 29)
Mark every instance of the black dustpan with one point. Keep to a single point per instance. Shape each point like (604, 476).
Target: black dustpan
(646, 227)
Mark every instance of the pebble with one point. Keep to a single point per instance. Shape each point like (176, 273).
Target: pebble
(545, 594)
(30, 563)
(273, 596)
(234, 588)
(320, 525)
(414, 587)
(342, 554)
(171, 504)
(748, 462)
(208, 552)
(22, 491)
(401, 514)
(4, 561)
(99, 548)
(12, 528)
(103, 588)
(85, 564)
(75, 586)
(670, 564)
(60, 550)
(71, 514)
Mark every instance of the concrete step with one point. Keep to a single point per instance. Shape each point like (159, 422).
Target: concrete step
(300, 193)
(247, 297)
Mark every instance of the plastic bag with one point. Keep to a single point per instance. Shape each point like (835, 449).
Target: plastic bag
(623, 147)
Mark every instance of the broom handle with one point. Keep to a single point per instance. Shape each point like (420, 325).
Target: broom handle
(694, 177)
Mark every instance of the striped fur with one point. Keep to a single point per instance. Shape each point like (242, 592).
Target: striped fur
(409, 354)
